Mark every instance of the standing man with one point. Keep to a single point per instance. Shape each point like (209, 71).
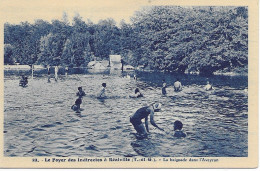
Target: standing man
(102, 93)
(49, 73)
(66, 71)
(56, 73)
(143, 113)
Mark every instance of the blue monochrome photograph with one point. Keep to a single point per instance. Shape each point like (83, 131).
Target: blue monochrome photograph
(163, 81)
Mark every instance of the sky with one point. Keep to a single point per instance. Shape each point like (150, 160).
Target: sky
(16, 11)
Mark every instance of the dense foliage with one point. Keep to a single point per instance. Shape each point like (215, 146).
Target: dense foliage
(165, 38)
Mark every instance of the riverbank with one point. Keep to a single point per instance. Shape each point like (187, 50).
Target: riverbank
(231, 73)
(235, 72)
(22, 67)
(242, 71)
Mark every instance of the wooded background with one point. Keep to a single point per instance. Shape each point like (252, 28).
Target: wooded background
(164, 38)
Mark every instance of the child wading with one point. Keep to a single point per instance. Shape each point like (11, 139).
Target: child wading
(164, 88)
(102, 93)
(76, 106)
(24, 81)
(56, 69)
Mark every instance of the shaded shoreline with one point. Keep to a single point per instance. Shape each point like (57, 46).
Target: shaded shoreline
(15, 68)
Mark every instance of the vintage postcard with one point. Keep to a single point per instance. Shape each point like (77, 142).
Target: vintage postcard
(129, 84)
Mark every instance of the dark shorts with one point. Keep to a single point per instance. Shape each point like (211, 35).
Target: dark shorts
(135, 121)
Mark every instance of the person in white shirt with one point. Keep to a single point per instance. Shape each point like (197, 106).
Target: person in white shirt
(208, 86)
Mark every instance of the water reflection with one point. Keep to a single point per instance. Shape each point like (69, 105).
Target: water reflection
(145, 148)
(78, 114)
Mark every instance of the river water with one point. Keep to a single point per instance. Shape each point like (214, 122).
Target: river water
(38, 120)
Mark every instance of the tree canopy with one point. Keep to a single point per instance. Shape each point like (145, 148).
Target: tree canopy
(164, 38)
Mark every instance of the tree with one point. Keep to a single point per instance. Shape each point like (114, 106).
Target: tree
(165, 38)
(47, 51)
(106, 39)
(77, 49)
(8, 54)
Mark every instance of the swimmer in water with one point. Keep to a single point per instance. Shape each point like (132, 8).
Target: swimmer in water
(143, 113)
(208, 86)
(178, 129)
(76, 106)
(23, 81)
(177, 86)
(137, 94)
(80, 93)
(164, 88)
(102, 93)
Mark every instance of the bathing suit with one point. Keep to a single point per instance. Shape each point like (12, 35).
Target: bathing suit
(139, 115)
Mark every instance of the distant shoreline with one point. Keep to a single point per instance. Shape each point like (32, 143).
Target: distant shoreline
(40, 67)
(230, 73)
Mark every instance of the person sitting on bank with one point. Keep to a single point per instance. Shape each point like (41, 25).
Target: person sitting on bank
(137, 94)
(23, 81)
(164, 88)
(178, 129)
(177, 86)
(143, 113)
(102, 93)
(76, 106)
(80, 92)
(208, 86)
